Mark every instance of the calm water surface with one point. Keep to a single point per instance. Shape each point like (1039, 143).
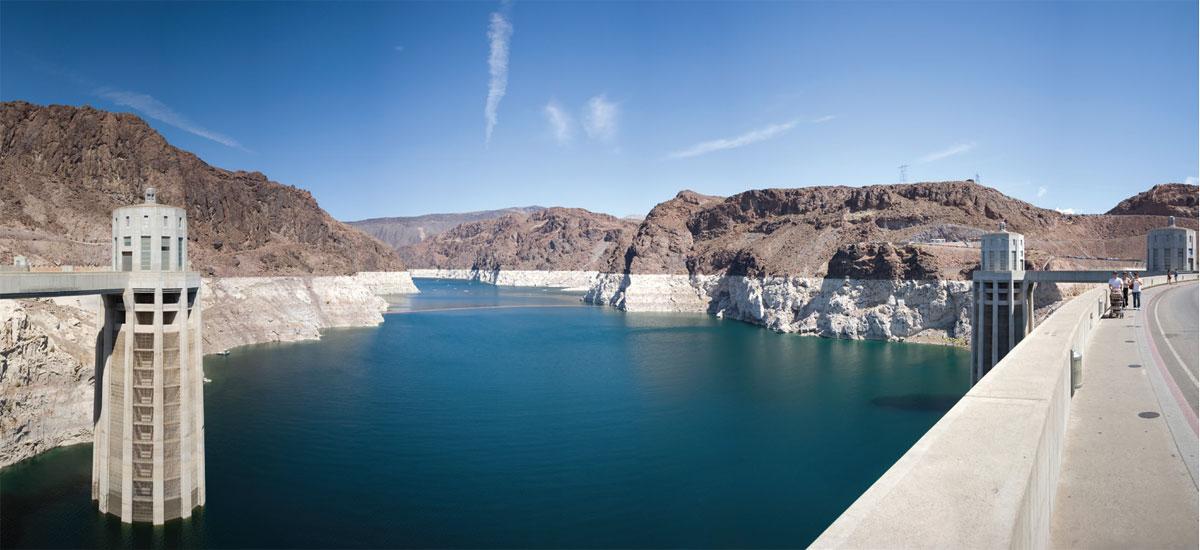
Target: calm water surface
(485, 417)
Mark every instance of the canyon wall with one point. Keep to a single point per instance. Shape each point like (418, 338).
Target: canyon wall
(240, 311)
(47, 355)
(550, 239)
(935, 311)
(46, 375)
(64, 169)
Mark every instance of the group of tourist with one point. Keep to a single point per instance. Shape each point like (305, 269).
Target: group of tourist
(1125, 284)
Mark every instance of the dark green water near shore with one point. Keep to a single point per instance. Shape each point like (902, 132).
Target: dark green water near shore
(485, 417)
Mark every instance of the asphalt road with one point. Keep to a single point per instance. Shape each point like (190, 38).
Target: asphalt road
(1173, 316)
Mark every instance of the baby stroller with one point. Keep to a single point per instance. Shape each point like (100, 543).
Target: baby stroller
(1116, 304)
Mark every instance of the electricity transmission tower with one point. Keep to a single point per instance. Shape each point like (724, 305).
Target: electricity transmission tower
(903, 173)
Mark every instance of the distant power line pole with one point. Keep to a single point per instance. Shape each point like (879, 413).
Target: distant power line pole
(903, 173)
(977, 180)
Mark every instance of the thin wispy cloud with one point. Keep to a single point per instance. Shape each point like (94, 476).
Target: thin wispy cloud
(947, 152)
(748, 138)
(1041, 192)
(825, 118)
(499, 33)
(148, 106)
(1067, 211)
(560, 122)
(145, 104)
(600, 118)
(1191, 180)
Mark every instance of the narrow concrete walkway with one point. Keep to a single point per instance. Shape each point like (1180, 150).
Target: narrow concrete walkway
(1128, 476)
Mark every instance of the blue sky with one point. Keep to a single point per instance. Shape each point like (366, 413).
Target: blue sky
(384, 109)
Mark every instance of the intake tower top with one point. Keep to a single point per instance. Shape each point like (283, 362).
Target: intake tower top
(149, 236)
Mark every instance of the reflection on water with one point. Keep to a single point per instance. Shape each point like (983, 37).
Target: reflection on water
(917, 402)
(545, 425)
(443, 295)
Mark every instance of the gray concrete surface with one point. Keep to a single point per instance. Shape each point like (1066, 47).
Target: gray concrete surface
(1092, 276)
(1172, 319)
(1128, 470)
(44, 285)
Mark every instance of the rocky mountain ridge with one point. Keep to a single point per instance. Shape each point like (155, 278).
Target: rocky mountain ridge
(64, 169)
(920, 231)
(405, 231)
(562, 239)
(1167, 199)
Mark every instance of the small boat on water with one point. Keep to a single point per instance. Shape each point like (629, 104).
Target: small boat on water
(207, 380)
(223, 353)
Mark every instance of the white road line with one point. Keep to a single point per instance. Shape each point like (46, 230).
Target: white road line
(1171, 348)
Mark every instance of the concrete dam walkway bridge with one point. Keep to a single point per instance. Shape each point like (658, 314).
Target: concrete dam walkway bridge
(148, 413)
(1129, 476)
(25, 285)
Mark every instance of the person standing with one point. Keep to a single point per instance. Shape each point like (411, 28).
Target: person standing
(1114, 294)
(1126, 282)
(1137, 291)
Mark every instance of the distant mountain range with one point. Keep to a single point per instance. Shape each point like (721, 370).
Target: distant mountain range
(897, 231)
(405, 231)
(550, 239)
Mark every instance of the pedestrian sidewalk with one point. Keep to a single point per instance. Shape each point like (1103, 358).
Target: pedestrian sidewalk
(1124, 481)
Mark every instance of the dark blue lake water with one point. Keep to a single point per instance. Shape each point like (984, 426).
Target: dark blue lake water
(485, 417)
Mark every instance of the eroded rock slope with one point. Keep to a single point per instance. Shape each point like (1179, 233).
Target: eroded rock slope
(552, 239)
(64, 169)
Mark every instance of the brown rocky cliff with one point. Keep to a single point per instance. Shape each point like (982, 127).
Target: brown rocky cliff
(905, 231)
(800, 232)
(553, 239)
(663, 238)
(1168, 199)
(883, 261)
(63, 169)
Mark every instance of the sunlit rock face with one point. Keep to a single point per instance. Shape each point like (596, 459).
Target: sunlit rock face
(841, 308)
(64, 169)
(46, 374)
(249, 310)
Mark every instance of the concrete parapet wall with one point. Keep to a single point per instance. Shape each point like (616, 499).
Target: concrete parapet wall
(986, 474)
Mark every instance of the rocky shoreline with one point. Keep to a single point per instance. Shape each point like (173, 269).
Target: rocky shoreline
(240, 311)
(930, 311)
(47, 353)
(570, 280)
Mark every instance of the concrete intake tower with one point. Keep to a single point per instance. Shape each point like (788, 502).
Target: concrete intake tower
(148, 457)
